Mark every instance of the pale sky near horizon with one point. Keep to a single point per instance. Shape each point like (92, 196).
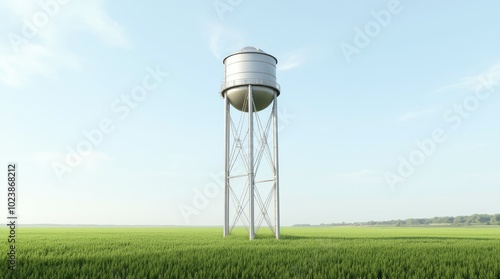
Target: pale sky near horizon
(389, 109)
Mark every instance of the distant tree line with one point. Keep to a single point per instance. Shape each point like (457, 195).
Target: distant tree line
(476, 219)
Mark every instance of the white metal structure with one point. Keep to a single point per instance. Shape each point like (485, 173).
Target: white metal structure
(251, 165)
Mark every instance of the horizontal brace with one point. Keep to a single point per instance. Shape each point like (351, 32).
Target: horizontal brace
(236, 176)
(263, 181)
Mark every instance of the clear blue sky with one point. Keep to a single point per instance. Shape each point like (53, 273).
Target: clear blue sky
(361, 83)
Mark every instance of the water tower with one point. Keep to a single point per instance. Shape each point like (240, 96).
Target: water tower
(250, 93)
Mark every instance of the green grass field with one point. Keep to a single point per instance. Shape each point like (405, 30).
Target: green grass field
(339, 252)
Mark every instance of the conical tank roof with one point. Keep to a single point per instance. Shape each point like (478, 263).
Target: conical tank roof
(250, 49)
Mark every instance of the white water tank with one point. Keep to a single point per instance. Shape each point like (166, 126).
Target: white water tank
(250, 66)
